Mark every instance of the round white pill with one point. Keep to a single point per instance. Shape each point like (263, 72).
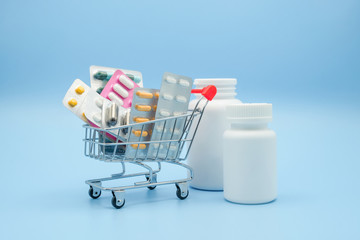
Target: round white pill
(173, 148)
(168, 97)
(170, 79)
(164, 113)
(178, 113)
(184, 83)
(160, 129)
(99, 102)
(97, 117)
(181, 99)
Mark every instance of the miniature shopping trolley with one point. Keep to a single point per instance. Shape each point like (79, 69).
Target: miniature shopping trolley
(98, 146)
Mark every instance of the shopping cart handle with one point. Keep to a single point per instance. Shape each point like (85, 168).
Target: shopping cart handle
(208, 92)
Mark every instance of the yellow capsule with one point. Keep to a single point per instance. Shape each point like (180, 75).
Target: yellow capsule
(144, 108)
(72, 102)
(80, 90)
(157, 95)
(135, 146)
(138, 132)
(144, 94)
(154, 107)
(140, 119)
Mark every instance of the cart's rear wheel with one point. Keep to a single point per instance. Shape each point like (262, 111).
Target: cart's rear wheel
(181, 194)
(94, 193)
(150, 187)
(117, 203)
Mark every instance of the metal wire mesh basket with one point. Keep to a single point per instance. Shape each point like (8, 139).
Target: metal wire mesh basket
(111, 145)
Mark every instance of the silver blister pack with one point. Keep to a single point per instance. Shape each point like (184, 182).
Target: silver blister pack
(173, 102)
(143, 109)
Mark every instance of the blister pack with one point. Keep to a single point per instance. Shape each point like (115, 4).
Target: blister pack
(143, 109)
(75, 98)
(119, 89)
(173, 101)
(103, 113)
(99, 76)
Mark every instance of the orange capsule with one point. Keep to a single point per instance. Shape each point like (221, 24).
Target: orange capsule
(144, 94)
(135, 146)
(138, 132)
(143, 108)
(140, 119)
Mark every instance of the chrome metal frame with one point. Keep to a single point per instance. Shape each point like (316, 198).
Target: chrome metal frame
(98, 146)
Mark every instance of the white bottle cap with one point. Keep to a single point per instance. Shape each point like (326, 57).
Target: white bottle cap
(215, 81)
(249, 112)
(226, 87)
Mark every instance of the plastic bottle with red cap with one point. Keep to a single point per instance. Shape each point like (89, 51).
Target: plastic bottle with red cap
(206, 155)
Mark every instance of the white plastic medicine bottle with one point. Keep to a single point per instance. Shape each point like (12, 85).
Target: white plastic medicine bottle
(250, 154)
(205, 156)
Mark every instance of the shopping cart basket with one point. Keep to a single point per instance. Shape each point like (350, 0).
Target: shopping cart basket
(98, 146)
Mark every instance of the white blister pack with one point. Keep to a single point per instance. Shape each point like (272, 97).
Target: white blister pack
(143, 109)
(173, 101)
(75, 98)
(99, 76)
(105, 114)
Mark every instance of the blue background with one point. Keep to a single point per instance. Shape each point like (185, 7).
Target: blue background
(302, 56)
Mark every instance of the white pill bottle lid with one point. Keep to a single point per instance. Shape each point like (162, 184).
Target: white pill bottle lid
(249, 112)
(226, 87)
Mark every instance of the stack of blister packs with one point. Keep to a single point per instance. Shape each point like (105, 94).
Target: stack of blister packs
(116, 98)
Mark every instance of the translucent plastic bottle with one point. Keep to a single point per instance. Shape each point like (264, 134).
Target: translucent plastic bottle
(205, 156)
(250, 155)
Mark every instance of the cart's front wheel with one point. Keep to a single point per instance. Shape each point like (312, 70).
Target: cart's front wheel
(182, 192)
(117, 203)
(94, 193)
(118, 200)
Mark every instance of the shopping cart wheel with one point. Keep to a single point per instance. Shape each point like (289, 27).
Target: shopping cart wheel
(153, 181)
(94, 193)
(118, 200)
(182, 191)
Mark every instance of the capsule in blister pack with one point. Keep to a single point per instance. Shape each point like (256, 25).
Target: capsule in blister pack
(103, 113)
(119, 89)
(99, 76)
(75, 98)
(143, 109)
(173, 101)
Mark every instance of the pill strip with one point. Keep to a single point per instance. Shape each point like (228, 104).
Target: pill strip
(86, 103)
(99, 76)
(96, 108)
(143, 109)
(119, 89)
(75, 98)
(174, 99)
